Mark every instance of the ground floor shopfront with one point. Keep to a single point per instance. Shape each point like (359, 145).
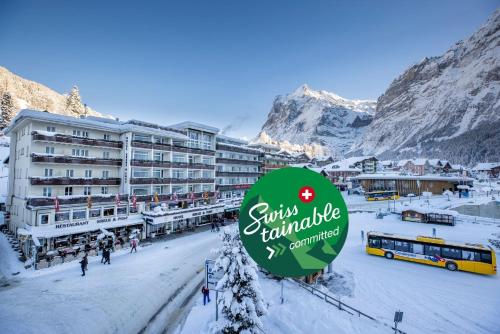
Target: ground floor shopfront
(165, 221)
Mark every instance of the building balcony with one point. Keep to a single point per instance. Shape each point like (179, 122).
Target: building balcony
(237, 173)
(68, 181)
(231, 148)
(229, 187)
(169, 164)
(63, 200)
(237, 161)
(66, 159)
(168, 147)
(153, 180)
(168, 197)
(65, 139)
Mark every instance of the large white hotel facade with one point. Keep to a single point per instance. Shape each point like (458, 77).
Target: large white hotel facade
(72, 179)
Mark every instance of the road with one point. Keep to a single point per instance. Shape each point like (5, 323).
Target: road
(117, 298)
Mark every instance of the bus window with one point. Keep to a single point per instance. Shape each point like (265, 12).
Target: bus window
(402, 246)
(418, 249)
(451, 253)
(432, 250)
(470, 255)
(485, 257)
(375, 243)
(387, 244)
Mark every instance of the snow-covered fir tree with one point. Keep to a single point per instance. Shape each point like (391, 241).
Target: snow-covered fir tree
(242, 300)
(7, 110)
(74, 102)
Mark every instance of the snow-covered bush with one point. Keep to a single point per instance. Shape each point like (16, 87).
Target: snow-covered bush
(242, 300)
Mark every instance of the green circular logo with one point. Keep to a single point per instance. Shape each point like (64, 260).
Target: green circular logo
(293, 222)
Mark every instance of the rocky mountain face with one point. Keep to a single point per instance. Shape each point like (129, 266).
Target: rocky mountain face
(317, 117)
(444, 107)
(28, 94)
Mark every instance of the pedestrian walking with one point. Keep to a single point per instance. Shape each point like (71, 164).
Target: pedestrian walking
(213, 227)
(217, 227)
(83, 263)
(107, 256)
(103, 255)
(206, 295)
(133, 244)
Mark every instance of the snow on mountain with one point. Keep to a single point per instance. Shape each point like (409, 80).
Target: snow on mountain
(322, 118)
(28, 94)
(446, 106)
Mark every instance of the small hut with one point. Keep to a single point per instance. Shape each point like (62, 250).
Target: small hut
(429, 215)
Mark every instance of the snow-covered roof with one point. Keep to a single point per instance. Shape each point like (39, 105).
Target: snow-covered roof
(226, 140)
(429, 177)
(302, 165)
(419, 162)
(434, 162)
(427, 210)
(91, 122)
(402, 163)
(346, 164)
(196, 126)
(483, 166)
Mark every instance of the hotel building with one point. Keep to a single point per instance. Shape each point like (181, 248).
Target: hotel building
(73, 179)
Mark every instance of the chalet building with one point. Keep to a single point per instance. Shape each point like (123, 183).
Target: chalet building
(323, 161)
(429, 215)
(488, 169)
(238, 167)
(73, 179)
(341, 172)
(412, 184)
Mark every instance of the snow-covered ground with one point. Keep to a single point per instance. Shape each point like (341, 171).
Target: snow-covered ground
(433, 300)
(117, 298)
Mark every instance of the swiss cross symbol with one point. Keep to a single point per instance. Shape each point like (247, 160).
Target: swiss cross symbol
(306, 194)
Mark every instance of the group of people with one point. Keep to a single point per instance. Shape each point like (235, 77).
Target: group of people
(106, 254)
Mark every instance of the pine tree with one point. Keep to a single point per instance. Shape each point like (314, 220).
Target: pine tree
(242, 301)
(74, 102)
(7, 110)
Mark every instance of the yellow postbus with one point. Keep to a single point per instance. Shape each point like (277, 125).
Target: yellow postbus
(381, 195)
(453, 256)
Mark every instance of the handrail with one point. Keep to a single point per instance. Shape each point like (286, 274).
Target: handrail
(339, 304)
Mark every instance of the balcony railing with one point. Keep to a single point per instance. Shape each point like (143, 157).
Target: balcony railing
(63, 181)
(168, 197)
(231, 148)
(227, 187)
(237, 161)
(49, 201)
(59, 138)
(154, 180)
(168, 147)
(65, 159)
(169, 164)
(238, 173)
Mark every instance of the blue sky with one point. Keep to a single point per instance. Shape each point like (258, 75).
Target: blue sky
(223, 62)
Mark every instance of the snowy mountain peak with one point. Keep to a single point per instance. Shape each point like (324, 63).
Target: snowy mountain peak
(307, 116)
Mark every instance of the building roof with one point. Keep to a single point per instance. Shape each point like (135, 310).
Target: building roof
(420, 162)
(91, 122)
(402, 163)
(484, 166)
(427, 210)
(196, 126)
(429, 177)
(435, 162)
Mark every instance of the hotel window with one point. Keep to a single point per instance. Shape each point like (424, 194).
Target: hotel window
(140, 155)
(61, 216)
(140, 137)
(137, 172)
(108, 212)
(105, 174)
(107, 136)
(104, 190)
(68, 191)
(157, 189)
(51, 129)
(207, 160)
(48, 172)
(139, 191)
(47, 191)
(157, 173)
(44, 219)
(178, 158)
(177, 190)
(105, 155)
(76, 152)
(88, 173)
(95, 213)
(70, 172)
(80, 214)
(80, 133)
(178, 174)
(121, 210)
(87, 191)
(157, 156)
(49, 150)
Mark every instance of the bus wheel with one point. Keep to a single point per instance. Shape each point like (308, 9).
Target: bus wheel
(451, 266)
(389, 255)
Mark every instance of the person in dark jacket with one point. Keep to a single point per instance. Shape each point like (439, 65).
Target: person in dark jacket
(83, 264)
(107, 256)
(206, 295)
